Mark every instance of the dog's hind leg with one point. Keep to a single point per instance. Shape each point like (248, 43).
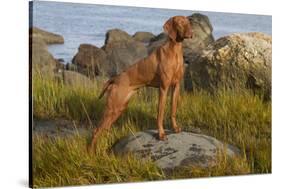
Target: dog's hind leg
(117, 101)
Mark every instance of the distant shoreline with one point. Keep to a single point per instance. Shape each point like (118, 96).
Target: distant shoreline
(88, 23)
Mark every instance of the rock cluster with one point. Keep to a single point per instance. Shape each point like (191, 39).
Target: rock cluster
(241, 60)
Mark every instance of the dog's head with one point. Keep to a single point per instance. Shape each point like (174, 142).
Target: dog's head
(178, 28)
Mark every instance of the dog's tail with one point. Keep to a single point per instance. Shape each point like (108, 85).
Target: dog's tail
(105, 87)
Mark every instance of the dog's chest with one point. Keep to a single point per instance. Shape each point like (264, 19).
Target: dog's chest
(178, 68)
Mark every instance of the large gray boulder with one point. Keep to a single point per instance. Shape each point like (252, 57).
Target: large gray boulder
(202, 36)
(122, 54)
(144, 37)
(43, 62)
(182, 149)
(241, 60)
(116, 35)
(91, 60)
(156, 42)
(47, 37)
(122, 51)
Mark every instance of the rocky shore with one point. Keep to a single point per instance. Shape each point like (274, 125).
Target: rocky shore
(237, 61)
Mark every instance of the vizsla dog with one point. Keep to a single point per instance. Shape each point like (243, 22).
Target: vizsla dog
(163, 68)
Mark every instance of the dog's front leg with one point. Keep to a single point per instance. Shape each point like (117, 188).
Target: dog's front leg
(175, 97)
(161, 110)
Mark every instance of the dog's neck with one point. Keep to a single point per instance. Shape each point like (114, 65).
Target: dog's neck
(174, 45)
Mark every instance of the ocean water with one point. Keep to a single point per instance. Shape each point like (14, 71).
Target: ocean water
(88, 23)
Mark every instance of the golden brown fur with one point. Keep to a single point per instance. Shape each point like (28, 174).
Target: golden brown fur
(162, 69)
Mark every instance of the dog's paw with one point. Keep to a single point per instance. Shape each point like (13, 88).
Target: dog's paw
(91, 149)
(177, 130)
(163, 137)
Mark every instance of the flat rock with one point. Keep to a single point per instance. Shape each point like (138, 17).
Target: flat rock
(47, 37)
(58, 128)
(181, 149)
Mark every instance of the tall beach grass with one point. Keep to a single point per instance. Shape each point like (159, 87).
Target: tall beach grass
(237, 117)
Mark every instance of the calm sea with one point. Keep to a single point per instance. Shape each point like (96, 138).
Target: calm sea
(88, 23)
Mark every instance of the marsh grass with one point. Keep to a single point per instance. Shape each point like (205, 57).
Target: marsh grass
(237, 117)
(61, 162)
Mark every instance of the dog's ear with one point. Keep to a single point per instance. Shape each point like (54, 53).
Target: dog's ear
(170, 29)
